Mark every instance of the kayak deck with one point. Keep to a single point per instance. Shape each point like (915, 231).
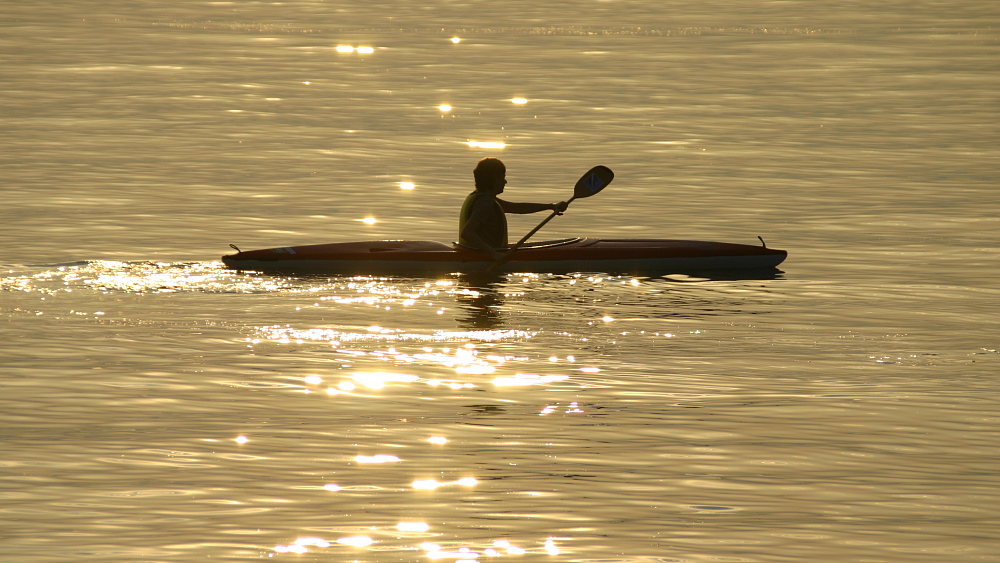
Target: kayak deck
(401, 257)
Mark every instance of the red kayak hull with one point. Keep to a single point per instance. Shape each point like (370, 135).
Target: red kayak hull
(407, 257)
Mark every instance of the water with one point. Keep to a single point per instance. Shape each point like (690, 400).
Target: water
(156, 407)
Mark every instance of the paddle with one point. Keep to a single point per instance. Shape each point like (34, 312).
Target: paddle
(593, 181)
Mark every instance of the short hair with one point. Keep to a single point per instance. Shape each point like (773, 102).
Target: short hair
(488, 169)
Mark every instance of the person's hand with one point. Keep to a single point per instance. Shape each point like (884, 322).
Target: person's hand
(498, 256)
(560, 207)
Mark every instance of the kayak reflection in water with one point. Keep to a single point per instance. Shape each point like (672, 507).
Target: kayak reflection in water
(481, 304)
(482, 224)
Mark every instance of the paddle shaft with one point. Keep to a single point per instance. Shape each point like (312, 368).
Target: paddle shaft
(592, 182)
(518, 244)
(536, 229)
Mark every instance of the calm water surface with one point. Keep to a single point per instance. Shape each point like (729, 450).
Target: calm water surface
(156, 407)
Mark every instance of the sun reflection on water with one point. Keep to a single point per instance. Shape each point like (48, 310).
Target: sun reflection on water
(366, 359)
(287, 334)
(573, 408)
(431, 484)
(487, 144)
(465, 359)
(380, 458)
(356, 354)
(301, 545)
(433, 550)
(414, 529)
(108, 276)
(522, 379)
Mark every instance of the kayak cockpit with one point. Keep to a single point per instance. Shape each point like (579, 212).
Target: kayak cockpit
(535, 245)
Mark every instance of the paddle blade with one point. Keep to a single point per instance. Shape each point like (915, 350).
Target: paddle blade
(593, 181)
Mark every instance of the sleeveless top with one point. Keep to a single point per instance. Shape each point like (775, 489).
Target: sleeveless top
(494, 231)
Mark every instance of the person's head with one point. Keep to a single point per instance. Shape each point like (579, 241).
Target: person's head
(490, 174)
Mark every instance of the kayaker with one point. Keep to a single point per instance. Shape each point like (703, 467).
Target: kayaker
(482, 224)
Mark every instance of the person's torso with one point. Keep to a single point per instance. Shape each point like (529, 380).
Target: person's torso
(493, 222)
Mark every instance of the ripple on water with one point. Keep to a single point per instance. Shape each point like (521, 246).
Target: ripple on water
(577, 415)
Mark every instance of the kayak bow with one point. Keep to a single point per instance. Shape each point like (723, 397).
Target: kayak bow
(408, 257)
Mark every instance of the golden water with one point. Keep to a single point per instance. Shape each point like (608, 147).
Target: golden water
(156, 407)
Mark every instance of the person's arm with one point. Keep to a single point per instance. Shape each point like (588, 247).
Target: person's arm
(522, 208)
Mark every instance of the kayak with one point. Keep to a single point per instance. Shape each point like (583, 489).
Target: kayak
(583, 254)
